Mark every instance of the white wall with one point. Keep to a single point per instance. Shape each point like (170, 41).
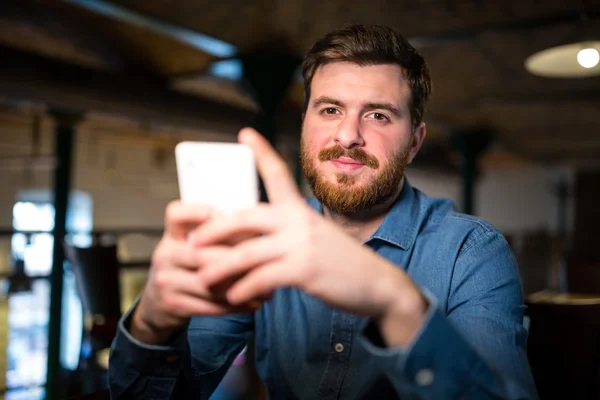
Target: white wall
(524, 200)
(513, 200)
(114, 161)
(435, 184)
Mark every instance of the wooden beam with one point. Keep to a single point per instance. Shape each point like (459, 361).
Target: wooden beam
(562, 145)
(506, 26)
(27, 77)
(567, 133)
(517, 100)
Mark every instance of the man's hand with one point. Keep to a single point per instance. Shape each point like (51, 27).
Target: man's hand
(175, 291)
(291, 245)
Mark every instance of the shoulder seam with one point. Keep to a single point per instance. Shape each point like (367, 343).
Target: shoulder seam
(485, 226)
(469, 244)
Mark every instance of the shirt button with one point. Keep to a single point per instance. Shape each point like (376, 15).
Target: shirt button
(339, 347)
(172, 358)
(424, 377)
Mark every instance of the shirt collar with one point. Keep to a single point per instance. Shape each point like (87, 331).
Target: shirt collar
(400, 225)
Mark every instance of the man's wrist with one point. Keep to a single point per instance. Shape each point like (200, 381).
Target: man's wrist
(404, 313)
(146, 332)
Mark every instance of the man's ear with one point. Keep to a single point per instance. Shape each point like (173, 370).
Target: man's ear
(416, 140)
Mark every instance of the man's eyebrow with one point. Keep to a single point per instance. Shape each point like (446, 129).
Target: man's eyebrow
(326, 100)
(384, 106)
(367, 106)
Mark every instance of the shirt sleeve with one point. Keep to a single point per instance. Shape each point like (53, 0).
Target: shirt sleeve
(477, 347)
(190, 366)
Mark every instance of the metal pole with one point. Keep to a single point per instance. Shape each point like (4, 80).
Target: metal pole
(64, 132)
(471, 145)
(267, 75)
(563, 197)
(469, 176)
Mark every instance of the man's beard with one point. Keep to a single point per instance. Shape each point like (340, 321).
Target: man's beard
(343, 198)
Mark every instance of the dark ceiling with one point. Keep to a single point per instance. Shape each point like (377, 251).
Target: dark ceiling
(476, 51)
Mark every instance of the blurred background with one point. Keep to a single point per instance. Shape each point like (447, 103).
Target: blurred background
(94, 95)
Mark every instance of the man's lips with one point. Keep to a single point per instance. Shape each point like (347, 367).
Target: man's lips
(346, 164)
(347, 160)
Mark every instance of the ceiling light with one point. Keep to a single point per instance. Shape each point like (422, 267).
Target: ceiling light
(588, 58)
(575, 60)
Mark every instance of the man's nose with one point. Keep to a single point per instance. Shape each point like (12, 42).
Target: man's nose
(348, 134)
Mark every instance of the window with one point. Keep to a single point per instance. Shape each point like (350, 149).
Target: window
(28, 314)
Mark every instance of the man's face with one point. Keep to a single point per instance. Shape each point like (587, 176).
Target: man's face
(357, 136)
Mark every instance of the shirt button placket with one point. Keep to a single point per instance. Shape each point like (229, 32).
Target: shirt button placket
(342, 326)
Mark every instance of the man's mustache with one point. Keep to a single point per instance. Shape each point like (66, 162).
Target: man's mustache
(359, 155)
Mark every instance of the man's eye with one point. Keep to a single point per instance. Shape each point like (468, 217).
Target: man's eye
(379, 116)
(330, 111)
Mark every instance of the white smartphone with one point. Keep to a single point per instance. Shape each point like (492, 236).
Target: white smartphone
(221, 175)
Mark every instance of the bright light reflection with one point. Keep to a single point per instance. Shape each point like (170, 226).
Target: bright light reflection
(588, 58)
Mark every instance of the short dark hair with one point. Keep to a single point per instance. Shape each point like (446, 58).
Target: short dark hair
(372, 45)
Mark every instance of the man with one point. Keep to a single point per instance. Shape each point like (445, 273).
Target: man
(371, 291)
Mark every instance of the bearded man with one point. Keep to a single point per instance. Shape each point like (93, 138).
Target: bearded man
(371, 290)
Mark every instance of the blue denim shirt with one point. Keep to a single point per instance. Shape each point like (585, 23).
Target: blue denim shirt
(471, 346)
